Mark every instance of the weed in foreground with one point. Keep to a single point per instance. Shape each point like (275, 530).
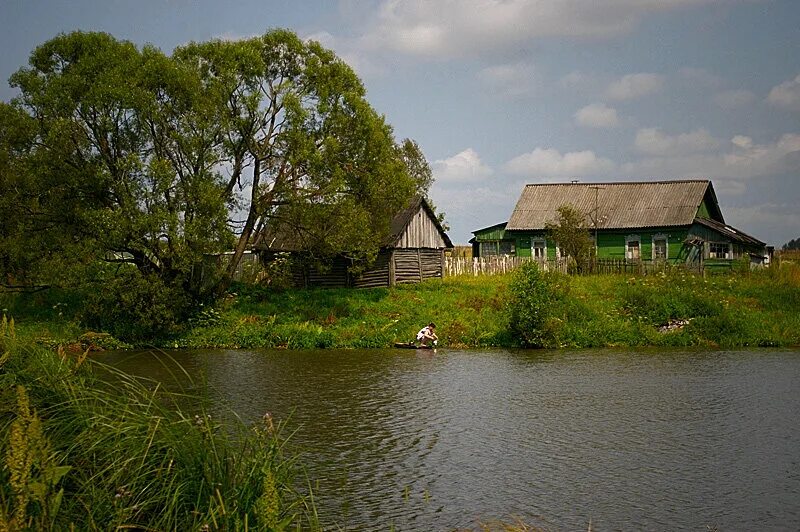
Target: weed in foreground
(84, 453)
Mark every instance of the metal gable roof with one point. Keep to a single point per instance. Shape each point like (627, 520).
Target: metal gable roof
(730, 232)
(613, 205)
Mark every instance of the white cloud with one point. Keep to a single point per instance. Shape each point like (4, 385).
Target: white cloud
(635, 86)
(750, 159)
(462, 167)
(575, 78)
(511, 80)
(734, 99)
(470, 206)
(652, 141)
(448, 28)
(597, 115)
(786, 95)
(731, 165)
(549, 162)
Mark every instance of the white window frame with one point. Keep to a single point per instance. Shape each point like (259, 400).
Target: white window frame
(484, 248)
(714, 255)
(628, 240)
(543, 247)
(660, 236)
(509, 244)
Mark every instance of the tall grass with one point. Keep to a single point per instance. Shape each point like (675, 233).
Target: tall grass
(468, 311)
(83, 454)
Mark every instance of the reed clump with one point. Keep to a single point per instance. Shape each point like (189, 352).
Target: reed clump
(79, 452)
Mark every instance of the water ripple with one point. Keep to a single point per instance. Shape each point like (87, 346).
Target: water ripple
(644, 441)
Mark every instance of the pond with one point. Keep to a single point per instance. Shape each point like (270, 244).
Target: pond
(653, 439)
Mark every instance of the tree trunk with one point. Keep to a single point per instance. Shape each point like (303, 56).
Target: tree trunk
(247, 232)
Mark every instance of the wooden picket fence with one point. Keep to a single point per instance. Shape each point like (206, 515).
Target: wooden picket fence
(495, 265)
(500, 264)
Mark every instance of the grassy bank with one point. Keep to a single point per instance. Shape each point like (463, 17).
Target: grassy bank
(750, 309)
(760, 308)
(80, 455)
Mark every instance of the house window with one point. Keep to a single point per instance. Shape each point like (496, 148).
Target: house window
(502, 247)
(506, 248)
(632, 247)
(718, 250)
(659, 247)
(488, 249)
(539, 249)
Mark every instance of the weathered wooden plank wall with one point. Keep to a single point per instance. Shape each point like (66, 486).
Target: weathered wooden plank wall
(335, 276)
(377, 275)
(420, 233)
(415, 265)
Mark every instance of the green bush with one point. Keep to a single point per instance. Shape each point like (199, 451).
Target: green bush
(135, 307)
(536, 306)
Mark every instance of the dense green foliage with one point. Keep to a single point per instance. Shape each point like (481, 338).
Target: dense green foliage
(119, 155)
(79, 453)
(136, 306)
(572, 236)
(536, 305)
(792, 244)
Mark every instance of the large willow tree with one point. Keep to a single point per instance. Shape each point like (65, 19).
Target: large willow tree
(119, 154)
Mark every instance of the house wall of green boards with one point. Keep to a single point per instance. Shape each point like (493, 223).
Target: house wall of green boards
(612, 244)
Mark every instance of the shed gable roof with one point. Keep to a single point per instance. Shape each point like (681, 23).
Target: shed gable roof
(401, 220)
(617, 205)
(284, 238)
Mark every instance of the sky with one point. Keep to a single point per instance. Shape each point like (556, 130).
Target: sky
(502, 93)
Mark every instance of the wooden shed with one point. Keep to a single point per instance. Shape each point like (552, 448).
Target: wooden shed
(413, 251)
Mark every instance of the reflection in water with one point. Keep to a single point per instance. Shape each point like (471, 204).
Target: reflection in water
(654, 440)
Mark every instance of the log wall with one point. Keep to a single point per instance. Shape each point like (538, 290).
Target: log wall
(414, 265)
(377, 275)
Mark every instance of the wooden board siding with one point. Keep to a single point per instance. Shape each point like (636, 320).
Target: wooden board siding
(432, 263)
(414, 265)
(611, 244)
(703, 210)
(407, 265)
(336, 276)
(496, 232)
(421, 232)
(709, 235)
(378, 275)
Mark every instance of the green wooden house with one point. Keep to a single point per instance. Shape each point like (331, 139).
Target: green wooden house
(675, 221)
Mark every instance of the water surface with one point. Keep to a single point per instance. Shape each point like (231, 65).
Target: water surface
(645, 440)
